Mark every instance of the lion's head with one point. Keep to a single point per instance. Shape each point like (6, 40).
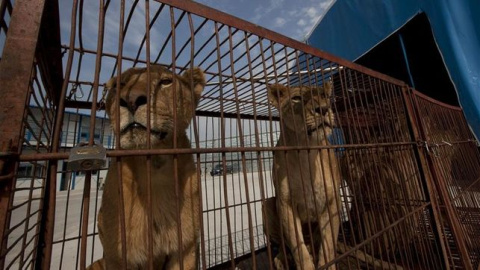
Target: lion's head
(302, 108)
(167, 92)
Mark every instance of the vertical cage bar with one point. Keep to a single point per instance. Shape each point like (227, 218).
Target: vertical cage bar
(452, 218)
(119, 160)
(149, 89)
(16, 69)
(200, 249)
(88, 176)
(242, 144)
(175, 139)
(429, 186)
(222, 138)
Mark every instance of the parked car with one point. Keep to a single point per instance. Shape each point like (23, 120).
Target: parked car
(230, 168)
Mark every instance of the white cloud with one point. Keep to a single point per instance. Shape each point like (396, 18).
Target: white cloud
(311, 12)
(324, 5)
(295, 20)
(279, 22)
(276, 3)
(301, 22)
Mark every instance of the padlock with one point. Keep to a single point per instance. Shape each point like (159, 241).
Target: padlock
(84, 157)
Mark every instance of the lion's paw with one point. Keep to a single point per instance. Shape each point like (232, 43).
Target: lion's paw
(278, 263)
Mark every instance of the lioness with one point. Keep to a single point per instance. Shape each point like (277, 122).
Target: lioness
(385, 186)
(167, 93)
(306, 181)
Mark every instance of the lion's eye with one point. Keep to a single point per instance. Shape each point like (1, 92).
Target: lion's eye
(166, 82)
(296, 99)
(123, 103)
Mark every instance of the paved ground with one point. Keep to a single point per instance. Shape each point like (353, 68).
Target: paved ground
(19, 222)
(68, 219)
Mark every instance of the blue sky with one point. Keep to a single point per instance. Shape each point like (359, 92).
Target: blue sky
(294, 19)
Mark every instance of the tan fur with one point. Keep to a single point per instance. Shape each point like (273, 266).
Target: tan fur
(306, 181)
(274, 233)
(97, 265)
(385, 189)
(134, 173)
(385, 184)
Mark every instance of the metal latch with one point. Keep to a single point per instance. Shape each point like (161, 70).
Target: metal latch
(84, 157)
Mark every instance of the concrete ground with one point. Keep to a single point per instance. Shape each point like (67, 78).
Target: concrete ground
(217, 235)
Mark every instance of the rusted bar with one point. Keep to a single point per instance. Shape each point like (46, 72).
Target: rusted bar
(452, 218)
(173, 40)
(49, 56)
(412, 115)
(48, 218)
(149, 223)
(84, 223)
(124, 29)
(15, 73)
(197, 145)
(224, 18)
(64, 238)
(88, 177)
(16, 67)
(430, 175)
(257, 144)
(146, 152)
(439, 123)
(7, 166)
(242, 145)
(88, 105)
(222, 138)
(262, 189)
(425, 97)
(119, 161)
(24, 244)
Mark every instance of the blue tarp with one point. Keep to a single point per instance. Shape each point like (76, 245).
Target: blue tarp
(353, 27)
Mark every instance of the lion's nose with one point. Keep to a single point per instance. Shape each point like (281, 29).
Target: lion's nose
(133, 101)
(321, 109)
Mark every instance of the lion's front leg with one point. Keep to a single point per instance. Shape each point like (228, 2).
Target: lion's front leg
(329, 227)
(97, 265)
(292, 226)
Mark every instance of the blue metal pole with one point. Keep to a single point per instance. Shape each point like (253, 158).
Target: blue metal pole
(407, 64)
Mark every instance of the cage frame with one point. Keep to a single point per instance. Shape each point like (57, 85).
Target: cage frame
(30, 40)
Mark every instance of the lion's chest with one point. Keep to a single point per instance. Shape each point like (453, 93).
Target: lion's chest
(305, 178)
(165, 206)
(163, 234)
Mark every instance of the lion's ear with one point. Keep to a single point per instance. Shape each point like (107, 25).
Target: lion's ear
(111, 83)
(328, 88)
(276, 94)
(196, 74)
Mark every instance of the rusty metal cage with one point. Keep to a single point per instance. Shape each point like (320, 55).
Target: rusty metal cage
(404, 168)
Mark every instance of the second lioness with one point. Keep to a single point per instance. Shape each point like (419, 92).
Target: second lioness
(306, 181)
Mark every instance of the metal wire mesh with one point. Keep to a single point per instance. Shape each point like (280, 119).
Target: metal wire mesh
(408, 167)
(454, 159)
